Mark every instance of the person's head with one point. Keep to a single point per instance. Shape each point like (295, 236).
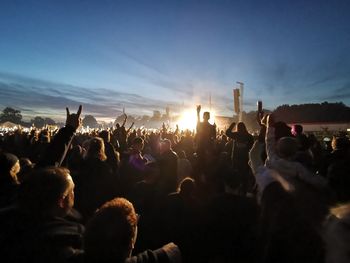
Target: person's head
(241, 128)
(96, 149)
(187, 186)
(105, 135)
(337, 235)
(287, 147)
(44, 138)
(206, 116)
(9, 167)
(75, 157)
(224, 138)
(340, 143)
(111, 233)
(182, 155)
(165, 146)
(137, 144)
(26, 167)
(282, 130)
(297, 129)
(48, 191)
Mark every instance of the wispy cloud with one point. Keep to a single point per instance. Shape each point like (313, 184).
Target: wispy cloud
(40, 97)
(340, 94)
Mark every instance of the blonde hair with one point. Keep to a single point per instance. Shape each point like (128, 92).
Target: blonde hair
(96, 149)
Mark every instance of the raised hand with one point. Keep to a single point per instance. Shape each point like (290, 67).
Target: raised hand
(261, 118)
(270, 120)
(73, 120)
(199, 107)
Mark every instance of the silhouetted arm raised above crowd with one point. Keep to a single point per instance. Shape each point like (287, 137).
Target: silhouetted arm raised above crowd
(270, 139)
(124, 121)
(128, 130)
(261, 120)
(229, 131)
(56, 151)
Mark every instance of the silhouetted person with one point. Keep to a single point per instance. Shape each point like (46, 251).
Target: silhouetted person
(36, 230)
(184, 167)
(111, 235)
(112, 155)
(167, 182)
(97, 183)
(206, 134)
(9, 168)
(242, 143)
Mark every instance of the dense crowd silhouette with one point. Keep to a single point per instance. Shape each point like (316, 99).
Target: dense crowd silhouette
(126, 194)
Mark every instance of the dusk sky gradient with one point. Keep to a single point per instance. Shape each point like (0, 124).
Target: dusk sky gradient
(145, 55)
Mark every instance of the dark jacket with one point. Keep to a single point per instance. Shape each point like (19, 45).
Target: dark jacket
(30, 238)
(57, 148)
(168, 172)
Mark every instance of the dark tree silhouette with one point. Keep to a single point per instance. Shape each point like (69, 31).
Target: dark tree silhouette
(38, 122)
(11, 115)
(90, 121)
(49, 121)
(318, 112)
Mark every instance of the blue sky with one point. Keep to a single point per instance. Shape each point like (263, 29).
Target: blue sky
(145, 55)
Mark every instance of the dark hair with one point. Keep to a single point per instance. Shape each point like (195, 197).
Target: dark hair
(7, 161)
(287, 147)
(282, 130)
(187, 186)
(137, 140)
(109, 233)
(105, 135)
(182, 154)
(241, 128)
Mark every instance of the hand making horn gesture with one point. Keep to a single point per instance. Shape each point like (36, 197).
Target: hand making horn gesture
(73, 120)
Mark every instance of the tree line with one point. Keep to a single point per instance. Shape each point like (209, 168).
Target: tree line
(301, 113)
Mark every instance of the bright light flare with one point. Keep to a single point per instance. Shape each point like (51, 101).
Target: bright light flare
(188, 120)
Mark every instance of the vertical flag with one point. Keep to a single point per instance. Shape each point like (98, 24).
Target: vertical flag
(236, 103)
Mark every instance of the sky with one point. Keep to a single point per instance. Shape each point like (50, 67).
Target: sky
(147, 55)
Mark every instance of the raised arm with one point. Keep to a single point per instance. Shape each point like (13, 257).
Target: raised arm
(128, 130)
(270, 139)
(198, 117)
(125, 118)
(261, 119)
(229, 132)
(57, 150)
(199, 107)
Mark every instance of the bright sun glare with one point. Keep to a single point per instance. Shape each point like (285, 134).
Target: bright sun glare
(188, 120)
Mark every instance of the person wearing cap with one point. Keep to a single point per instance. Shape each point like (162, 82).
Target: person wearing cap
(9, 168)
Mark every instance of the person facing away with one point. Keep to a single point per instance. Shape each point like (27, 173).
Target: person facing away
(97, 183)
(168, 168)
(37, 229)
(184, 167)
(112, 155)
(242, 143)
(206, 133)
(111, 235)
(9, 168)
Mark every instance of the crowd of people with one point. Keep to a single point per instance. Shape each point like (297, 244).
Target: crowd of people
(133, 195)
